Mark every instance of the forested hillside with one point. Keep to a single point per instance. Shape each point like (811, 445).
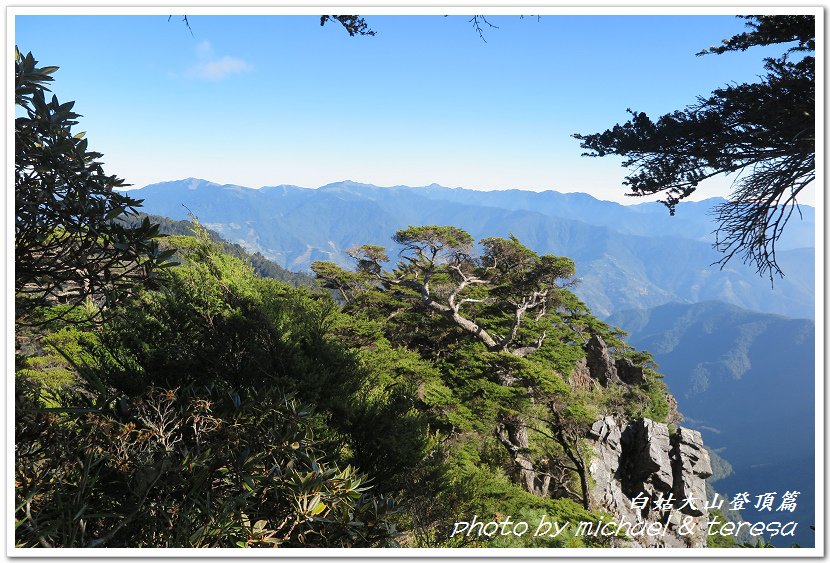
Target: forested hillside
(222, 408)
(262, 266)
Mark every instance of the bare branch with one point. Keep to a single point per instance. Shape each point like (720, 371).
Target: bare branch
(477, 21)
(186, 22)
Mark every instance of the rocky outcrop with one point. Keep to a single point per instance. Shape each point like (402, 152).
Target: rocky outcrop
(512, 433)
(599, 366)
(692, 466)
(674, 416)
(651, 479)
(645, 475)
(599, 361)
(580, 377)
(629, 373)
(647, 456)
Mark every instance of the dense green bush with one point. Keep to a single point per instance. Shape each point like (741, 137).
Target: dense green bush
(181, 425)
(188, 468)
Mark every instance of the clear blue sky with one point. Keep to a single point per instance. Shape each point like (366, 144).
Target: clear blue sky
(265, 100)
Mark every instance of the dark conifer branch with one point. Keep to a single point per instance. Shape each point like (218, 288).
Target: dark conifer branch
(764, 132)
(354, 25)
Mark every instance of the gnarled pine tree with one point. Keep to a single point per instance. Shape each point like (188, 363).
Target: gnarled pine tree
(495, 297)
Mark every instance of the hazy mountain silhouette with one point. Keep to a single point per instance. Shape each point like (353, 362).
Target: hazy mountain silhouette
(626, 256)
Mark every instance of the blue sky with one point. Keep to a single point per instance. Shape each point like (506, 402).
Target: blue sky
(266, 100)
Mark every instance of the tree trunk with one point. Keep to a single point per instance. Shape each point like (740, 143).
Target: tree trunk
(513, 435)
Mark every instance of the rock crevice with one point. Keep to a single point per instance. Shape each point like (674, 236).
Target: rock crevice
(644, 473)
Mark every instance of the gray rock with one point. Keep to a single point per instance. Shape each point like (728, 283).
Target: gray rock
(642, 458)
(604, 467)
(692, 466)
(607, 435)
(599, 361)
(648, 453)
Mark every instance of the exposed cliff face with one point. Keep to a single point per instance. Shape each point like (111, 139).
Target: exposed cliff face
(642, 460)
(640, 467)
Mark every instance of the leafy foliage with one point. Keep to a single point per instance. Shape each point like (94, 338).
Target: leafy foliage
(67, 246)
(764, 132)
(188, 468)
(354, 25)
(48, 358)
(185, 427)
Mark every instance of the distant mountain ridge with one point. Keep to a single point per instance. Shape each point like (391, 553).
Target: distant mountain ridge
(262, 266)
(627, 256)
(746, 381)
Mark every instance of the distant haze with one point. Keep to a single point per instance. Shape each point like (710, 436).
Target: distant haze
(626, 256)
(713, 188)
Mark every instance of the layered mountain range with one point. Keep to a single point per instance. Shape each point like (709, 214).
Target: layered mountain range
(743, 373)
(627, 257)
(746, 381)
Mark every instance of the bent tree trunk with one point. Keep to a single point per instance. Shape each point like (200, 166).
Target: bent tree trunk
(512, 433)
